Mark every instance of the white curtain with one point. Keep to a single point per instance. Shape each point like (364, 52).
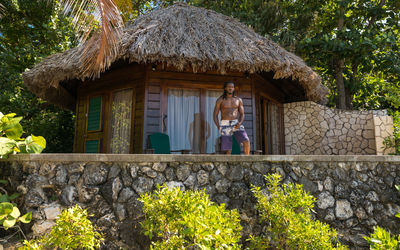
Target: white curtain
(183, 121)
(121, 122)
(212, 134)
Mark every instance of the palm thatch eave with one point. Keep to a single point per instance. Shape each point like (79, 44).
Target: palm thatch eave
(183, 36)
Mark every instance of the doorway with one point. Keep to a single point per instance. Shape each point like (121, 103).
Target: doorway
(272, 140)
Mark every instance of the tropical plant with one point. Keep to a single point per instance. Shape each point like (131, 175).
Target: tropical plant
(180, 220)
(10, 137)
(10, 215)
(381, 239)
(9, 212)
(73, 230)
(286, 209)
(31, 30)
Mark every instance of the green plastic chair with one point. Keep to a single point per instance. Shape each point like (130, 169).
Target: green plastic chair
(160, 143)
(235, 147)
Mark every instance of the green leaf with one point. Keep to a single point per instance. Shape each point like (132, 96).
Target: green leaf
(13, 128)
(6, 208)
(26, 218)
(35, 144)
(4, 198)
(9, 223)
(15, 213)
(3, 181)
(6, 146)
(13, 196)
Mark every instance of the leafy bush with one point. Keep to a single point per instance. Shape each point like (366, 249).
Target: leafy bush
(73, 230)
(10, 137)
(287, 211)
(188, 219)
(381, 239)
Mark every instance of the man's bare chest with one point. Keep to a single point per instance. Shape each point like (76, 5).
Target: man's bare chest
(230, 103)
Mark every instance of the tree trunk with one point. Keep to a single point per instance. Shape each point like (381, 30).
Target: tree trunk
(341, 99)
(349, 98)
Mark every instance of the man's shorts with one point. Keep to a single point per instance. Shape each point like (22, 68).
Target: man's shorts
(227, 130)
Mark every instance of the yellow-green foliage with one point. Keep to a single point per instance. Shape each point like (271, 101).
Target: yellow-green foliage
(180, 220)
(287, 211)
(73, 230)
(11, 141)
(382, 239)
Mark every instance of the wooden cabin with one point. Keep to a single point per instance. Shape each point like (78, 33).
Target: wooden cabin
(171, 67)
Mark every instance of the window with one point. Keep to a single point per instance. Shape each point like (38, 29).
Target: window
(190, 123)
(121, 117)
(183, 120)
(94, 125)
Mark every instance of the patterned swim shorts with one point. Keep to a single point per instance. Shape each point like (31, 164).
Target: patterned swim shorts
(227, 130)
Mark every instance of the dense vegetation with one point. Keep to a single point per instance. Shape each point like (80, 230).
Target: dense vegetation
(287, 211)
(29, 31)
(354, 45)
(188, 220)
(176, 219)
(73, 230)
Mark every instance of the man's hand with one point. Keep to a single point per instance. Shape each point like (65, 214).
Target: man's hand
(237, 126)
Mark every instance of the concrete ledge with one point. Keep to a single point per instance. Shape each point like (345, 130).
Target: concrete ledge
(199, 158)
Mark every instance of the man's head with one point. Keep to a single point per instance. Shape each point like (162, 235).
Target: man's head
(229, 89)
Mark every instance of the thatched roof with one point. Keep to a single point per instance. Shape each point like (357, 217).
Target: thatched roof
(182, 36)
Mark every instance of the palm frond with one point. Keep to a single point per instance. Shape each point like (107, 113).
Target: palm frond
(101, 21)
(2, 9)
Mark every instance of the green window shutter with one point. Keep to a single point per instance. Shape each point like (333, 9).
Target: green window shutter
(94, 114)
(92, 146)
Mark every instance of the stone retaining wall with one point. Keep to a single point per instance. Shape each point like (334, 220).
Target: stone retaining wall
(313, 129)
(355, 193)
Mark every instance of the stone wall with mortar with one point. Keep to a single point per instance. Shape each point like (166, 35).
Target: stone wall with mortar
(383, 129)
(355, 193)
(313, 129)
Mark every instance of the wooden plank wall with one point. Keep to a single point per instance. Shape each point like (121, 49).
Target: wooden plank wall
(159, 81)
(80, 125)
(245, 92)
(153, 112)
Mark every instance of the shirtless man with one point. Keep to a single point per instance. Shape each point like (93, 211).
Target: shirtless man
(231, 106)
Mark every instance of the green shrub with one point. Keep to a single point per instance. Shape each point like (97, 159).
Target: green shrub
(382, 239)
(11, 141)
(287, 211)
(180, 220)
(73, 230)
